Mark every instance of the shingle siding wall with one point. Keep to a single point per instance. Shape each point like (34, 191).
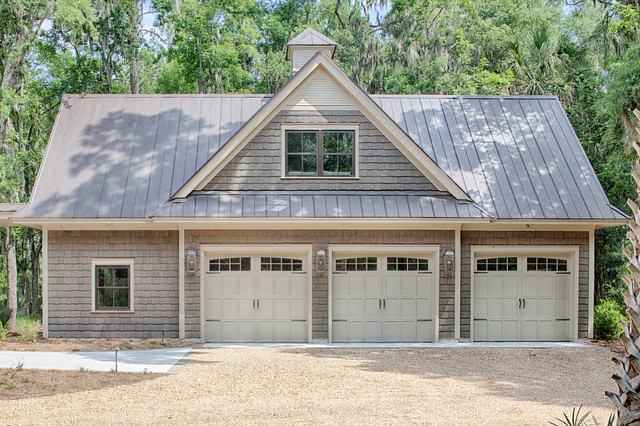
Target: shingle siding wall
(580, 239)
(257, 166)
(155, 283)
(320, 241)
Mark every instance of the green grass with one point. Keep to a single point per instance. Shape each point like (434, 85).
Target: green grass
(24, 321)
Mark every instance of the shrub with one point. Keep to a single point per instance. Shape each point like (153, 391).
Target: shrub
(606, 320)
(5, 313)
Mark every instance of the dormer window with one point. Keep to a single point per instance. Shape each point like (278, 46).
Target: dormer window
(320, 152)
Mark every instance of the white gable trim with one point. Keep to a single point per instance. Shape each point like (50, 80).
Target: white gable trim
(368, 107)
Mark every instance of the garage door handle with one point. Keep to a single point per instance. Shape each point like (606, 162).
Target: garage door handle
(258, 300)
(379, 303)
(384, 303)
(524, 303)
(519, 303)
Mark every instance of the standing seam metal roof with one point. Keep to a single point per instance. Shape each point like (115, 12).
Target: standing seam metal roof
(123, 156)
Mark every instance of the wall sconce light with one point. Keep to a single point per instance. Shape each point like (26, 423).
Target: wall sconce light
(449, 264)
(191, 260)
(321, 262)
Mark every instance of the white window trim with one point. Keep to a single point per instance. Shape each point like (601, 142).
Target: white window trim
(319, 126)
(112, 262)
(570, 252)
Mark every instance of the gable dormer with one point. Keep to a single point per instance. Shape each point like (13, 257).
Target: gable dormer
(303, 47)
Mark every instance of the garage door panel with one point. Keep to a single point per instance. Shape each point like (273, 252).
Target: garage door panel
(256, 305)
(424, 331)
(424, 309)
(379, 305)
(530, 303)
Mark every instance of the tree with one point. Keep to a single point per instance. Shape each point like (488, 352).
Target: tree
(627, 400)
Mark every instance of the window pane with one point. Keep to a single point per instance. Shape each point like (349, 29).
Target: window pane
(345, 141)
(294, 142)
(105, 297)
(246, 264)
(294, 164)
(345, 166)
(310, 142)
(103, 278)
(121, 298)
(121, 277)
(330, 164)
(330, 142)
(309, 164)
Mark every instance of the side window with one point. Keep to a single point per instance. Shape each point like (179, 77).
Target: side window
(112, 285)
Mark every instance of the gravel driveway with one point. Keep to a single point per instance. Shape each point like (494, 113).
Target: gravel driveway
(345, 386)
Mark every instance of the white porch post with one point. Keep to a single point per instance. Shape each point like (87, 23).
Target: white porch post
(592, 278)
(181, 255)
(457, 284)
(45, 282)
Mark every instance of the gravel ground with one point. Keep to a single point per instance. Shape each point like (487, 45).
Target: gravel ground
(345, 386)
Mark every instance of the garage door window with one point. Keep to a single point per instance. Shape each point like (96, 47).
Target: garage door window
(546, 264)
(407, 264)
(230, 264)
(280, 264)
(497, 264)
(357, 264)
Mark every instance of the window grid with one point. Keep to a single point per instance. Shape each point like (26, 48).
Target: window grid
(280, 264)
(497, 264)
(357, 264)
(328, 153)
(225, 264)
(113, 285)
(407, 264)
(546, 264)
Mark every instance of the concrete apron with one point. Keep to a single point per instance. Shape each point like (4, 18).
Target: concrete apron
(146, 361)
(452, 345)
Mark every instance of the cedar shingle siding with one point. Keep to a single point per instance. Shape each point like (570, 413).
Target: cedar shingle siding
(257, 167)
(156, 275)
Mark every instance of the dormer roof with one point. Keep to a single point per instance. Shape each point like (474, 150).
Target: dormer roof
(311, 37)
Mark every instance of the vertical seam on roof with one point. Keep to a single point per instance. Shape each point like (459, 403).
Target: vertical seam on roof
(128, 168)
(481, 163)
(534, 195)
(566, 199)
(556, 133)
(523, 122)
(506, 162)
(458, 169)
(153, 149)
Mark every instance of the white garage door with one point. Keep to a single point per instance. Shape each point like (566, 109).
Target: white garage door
(522, 298)
(256, 299)
(383, 299)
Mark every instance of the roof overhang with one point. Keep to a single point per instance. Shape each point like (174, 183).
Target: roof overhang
(474, 224)
(7, 210)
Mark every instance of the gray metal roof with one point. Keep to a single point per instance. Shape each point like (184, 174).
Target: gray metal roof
(312, 37)
(516, 156)
(123, 156)
(328, 204)
(10, 207)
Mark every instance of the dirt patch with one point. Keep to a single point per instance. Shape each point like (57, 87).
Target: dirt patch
(16, 383)
(348, 386)
(614, 346)
(19, 343)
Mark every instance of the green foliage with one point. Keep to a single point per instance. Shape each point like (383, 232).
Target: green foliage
(576, 418)
(606, 321)
(5, 313)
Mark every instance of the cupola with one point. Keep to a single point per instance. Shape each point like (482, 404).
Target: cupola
(303, 47)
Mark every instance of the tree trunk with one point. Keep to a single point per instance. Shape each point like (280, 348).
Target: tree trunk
(12, 283)
(135, 12)
(627, 399)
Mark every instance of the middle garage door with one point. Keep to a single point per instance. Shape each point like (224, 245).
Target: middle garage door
(384, 298)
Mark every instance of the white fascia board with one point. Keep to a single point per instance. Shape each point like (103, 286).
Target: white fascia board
(368, 107)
